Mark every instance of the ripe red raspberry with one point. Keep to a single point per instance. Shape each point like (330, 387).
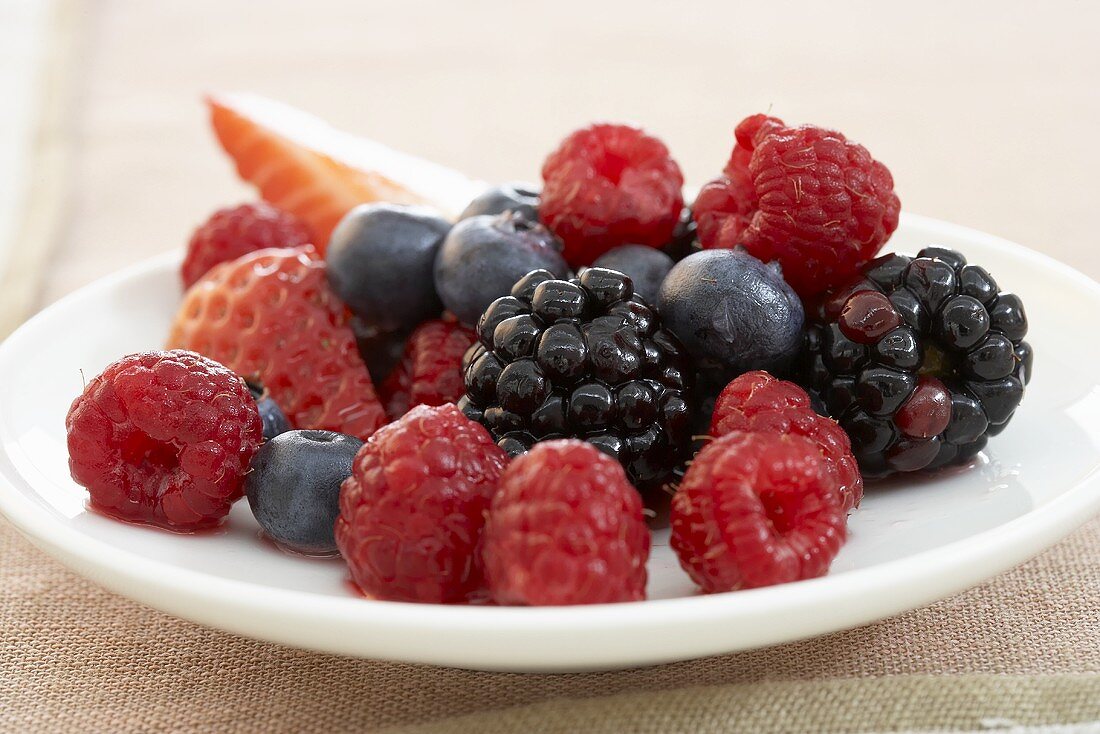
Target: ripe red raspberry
(807, 197)
(271, 317)
(412, 512)
(230, 233)
(430, 372)
(756, 509)
(608, 185)
(163, 438)
(566, 527)
(758, 402)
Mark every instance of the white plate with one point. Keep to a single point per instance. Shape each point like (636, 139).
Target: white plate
(912, 541)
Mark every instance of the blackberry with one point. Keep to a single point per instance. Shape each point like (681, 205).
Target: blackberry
(584, 358)
(684, 241)
(921, 360)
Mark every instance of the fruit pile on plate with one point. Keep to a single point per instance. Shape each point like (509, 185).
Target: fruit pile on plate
(496, 406)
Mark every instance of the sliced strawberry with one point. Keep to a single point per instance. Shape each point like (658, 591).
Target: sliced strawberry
(302, 165)
(270, 317)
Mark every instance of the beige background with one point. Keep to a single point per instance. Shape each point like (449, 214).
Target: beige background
(985, 112)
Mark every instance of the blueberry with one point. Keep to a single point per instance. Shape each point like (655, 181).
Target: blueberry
(522, 198)
(732, 312)
(646, 266)
(380, 261)
(380, 350)
(294, 487)
(271, 415)
(483, 257)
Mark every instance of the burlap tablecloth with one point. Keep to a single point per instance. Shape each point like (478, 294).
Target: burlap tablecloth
(974, 129)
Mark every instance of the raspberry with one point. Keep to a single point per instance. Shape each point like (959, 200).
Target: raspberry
(758, 402)
(566, 527)
(271, 317)
(608, 185)
(430, 372)
(724, 207)
(163, 438)
(230, 233)
(756, 509)
(920, 359)
(412, 512)
(807, 197)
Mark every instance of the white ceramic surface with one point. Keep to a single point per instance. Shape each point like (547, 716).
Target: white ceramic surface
(913, 541)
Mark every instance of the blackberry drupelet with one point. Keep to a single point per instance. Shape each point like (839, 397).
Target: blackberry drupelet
(921, 360)
(583, 358)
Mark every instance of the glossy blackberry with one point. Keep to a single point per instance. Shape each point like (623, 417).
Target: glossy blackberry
(921, 360)
(684, 240)
(584, 358)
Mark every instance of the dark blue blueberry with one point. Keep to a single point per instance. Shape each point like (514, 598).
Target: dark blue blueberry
(380, 350)
(509, 197)
(294, 487)
(732, 312)
(645, 266)
(483, 257)
(380, 261)
(271, 415)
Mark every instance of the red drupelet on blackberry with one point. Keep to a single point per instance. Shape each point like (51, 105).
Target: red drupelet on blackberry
(582, 358)
(921, 360)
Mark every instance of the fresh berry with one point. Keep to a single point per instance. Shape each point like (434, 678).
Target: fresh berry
(920, 360)
(272, 417)
(412, 512)
(380, 350)
(645, 266)
(758, 402)
(724, 208)
(163, 438)
(806, 197)
(732, 312)
(684, 241)
(304, 166)
(484, 255)
(756, 509)
(230, 233)
(294, 488)
(566, 527)
(380, 260)
(582, 358)
(430, 373)
(522, 198)
(271, 317)
(610, 185)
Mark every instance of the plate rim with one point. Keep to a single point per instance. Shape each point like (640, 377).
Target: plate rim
(888, 588)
